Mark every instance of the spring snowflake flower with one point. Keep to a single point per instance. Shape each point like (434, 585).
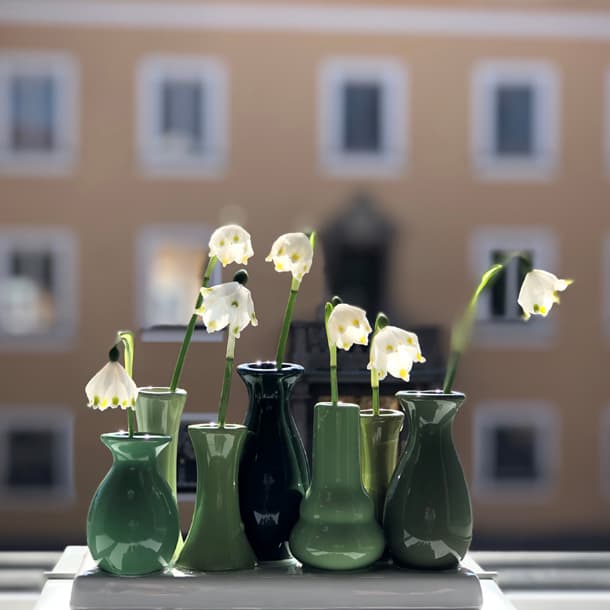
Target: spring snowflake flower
(394, 350)
(228, 304)
(348, 325)
(539, 292)
(292, 252)
(231, 244)
(111, 387)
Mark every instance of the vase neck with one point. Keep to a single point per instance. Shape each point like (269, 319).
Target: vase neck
(264, 381)
(139, 448)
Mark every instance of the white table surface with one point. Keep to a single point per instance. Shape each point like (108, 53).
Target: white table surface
(58, 588)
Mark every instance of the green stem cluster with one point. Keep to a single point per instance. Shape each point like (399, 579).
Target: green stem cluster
(380, 322)
(126, 338)
(332, 348)
(281, 347)
(226, 382)
(188, 335)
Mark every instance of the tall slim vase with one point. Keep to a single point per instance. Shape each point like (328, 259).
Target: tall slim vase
(274, 474)
(216, 540)
(132, 525)
(428, 515)
(337, 529)
(158, 411)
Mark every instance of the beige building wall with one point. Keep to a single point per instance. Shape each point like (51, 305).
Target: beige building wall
(273, 171)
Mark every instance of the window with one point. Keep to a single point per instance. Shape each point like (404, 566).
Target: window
(363, 109)
(36, 455)
(171, 261)
(516, 445)
(37, 287)
(499, 322)
(182, 116)
(38, 112)
(515, 119)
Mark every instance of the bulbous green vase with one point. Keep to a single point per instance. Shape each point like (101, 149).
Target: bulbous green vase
(216, 540)
(132, 525)
(337, 529)
(379, 435)
(428, 516)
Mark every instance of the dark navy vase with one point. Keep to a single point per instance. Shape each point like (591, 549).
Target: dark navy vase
(274, 474)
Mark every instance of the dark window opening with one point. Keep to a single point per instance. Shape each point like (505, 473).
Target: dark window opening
(514, 120)
(505, 288)
(514, 453)
(362, 120)
(182, 112)
(31, 459)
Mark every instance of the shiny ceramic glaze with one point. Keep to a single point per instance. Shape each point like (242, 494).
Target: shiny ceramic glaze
(428, 515)
(337, 529)
(132, 525)
(216, 540)
(274, 474)
(379, 435)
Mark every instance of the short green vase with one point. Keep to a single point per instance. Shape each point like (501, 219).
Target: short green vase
(337, 529)
(379, 435)
(132, 525)
(216, 540)
(428, 516)
(158, 411)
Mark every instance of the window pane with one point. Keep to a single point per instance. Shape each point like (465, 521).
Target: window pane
(33, 111)
(31, 459)
(27, 296)
(362, 117)
(506, 286)
(498, 288)
(514, 453)
(514, 120)
(182, 109)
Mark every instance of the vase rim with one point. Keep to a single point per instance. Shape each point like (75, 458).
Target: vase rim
(383, 413)
(269, 367)
(123, 435)
(216, 428)
(161, 390)
(339, 405)
(429, 394)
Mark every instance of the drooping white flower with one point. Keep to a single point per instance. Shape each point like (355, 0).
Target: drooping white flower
(231, 244)
(228, 304)
(394, 350)
(292, 252)
(539, 292)
(111, 387)
(347, 325)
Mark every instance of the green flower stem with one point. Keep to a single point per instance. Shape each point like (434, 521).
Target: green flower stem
(226, 383)
(126, 338)
(188, 335)
(281, 348)
(334, 383)
(375, 391)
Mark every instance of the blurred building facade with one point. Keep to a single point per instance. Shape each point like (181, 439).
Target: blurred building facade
(129, 131)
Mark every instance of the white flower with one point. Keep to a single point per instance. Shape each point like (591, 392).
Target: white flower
(394, 350)
(231, 244)
(348, 325)
(229, 305)
(292, 252)
(111, 387)
(539, 292)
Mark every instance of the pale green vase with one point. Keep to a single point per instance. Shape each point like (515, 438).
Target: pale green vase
(337, 529)
(216, 540)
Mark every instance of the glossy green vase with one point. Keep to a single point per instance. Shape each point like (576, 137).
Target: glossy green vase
(379, 435)
(337, 529)
(428, 515)
(274, 474)
(216, 540)
(132, 525)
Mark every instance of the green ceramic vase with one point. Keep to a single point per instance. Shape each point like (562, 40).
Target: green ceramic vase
(216, 540)
(379, 435)
(132, 525)
(428, 515)
(158, 411)
(337, 529)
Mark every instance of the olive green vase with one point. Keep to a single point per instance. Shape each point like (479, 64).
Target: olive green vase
(132, 525)
(216, 540)
(337, 529)
(379, 435)
(428, 516)
(158, 411)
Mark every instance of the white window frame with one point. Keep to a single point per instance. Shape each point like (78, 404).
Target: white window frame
(211, 72)
(63, 244)
(148, 239)
(392, 75)
(540, 415)
(41, 418)
(544, 78)
(63, 69)
(537, 332)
